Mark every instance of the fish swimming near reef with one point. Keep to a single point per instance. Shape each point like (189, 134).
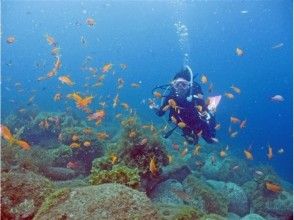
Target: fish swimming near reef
(273, 187)
(153, 167)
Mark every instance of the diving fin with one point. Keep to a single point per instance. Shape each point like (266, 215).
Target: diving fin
(169, 132)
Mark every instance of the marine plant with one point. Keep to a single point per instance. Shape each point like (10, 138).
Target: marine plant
(138, 144)
(54, 198)
(104, 172)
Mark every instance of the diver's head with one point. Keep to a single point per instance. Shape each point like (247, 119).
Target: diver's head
(181, 87)
(182, 83)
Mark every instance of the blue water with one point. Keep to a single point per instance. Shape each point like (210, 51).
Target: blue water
(142, 35)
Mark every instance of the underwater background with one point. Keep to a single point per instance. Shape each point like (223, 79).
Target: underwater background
(124, 49)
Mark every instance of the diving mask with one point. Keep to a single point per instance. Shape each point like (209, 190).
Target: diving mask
(180, 84)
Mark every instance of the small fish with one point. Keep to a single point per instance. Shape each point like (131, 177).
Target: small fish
(182, 195)
(281, 151)
(106, 68)
(153, 167)
(229, 95)
(10, 40)
(203, 79)
(132, 134)
(277, 98)
(244, 12)
(90, 22)
(113, 159)
(75, 137)
(72, 165)
(66, 80)
(248, 155)
(258, 172)
(278, 45)
(273, 187)
(50, 40)
(144, 141)
(217, 126)
(184, 152)
(57, 97)
(210, 88)
(176, 146)
(236, 167)
(97, 116)
(243, 123)
(23, 144)
(87, 143)
(115, 101)
(239, 52)
(157, 94)
(197, 149)
(236, 89)
(215, 140)
(234, 134)
(235, 120)
(75, 145)
(102, 135)
(182, 124)
(135, 85)
(123, 66)
(270, 152)
(222, 153)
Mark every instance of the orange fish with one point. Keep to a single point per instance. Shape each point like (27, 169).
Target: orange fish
(197, 149)
(66, 80)
(273, 187)
(5, 133)
(83, 103)
(23, 144)
(203, 79)
(157, 94)
(113, 159)
(217, 126)
(75, 145)
(248, 155)
(75, 137)
(153, 167)
(184, 152)
(223, 153)
(182, 124)
(50, 40)
(98, 116)
(235, 120)
(87, 143)
(102, 135)
(106, 68)
(125, 105)
(270, 152)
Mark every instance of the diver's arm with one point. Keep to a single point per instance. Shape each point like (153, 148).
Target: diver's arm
(159, 111)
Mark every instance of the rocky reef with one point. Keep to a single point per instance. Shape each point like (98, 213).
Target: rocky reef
(108, 201)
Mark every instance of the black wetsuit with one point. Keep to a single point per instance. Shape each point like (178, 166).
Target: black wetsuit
(187, 112)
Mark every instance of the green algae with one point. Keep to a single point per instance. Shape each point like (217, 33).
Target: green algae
(53, 199)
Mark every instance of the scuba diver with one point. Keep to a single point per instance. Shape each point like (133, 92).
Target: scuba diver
(187, 109)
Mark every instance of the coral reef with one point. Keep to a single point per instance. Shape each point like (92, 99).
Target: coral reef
(213, 202)
(108, 201)
(163, 193)
(22, 194)
(267, 203)
(104, 172)
(238, 202)
(223, 170)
